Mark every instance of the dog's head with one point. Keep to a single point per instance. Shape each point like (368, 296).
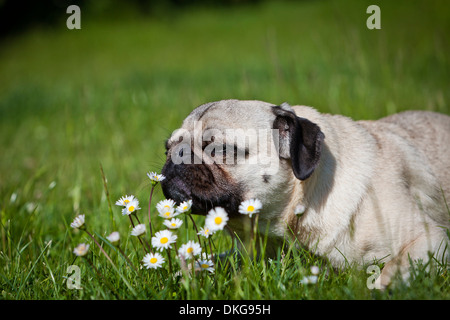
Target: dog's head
(229, 151)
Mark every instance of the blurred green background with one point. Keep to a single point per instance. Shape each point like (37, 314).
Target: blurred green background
(112, 92)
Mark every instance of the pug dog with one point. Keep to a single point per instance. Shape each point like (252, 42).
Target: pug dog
(366, 190)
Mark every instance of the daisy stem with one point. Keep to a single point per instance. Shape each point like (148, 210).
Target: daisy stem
(148, 246)
(139, 222)
(170, 260)
(252, 229)
(135, 215)
(131, 220)
(254, 234)
(149, 212)
(105, 185)
(101, 248)
(143, 245)
(211, 251)
(195, 226)
(140, 240)
(255, 230)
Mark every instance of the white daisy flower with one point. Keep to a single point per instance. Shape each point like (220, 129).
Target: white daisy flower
(168, 213)
(166, 209)
(190, 249)
(138, 230)
(174, 223)
(78, 222)
(250, 207)
(155, 178)
(114, 237)
(309, 280)
(124, 200)
(163, 239)
(206, 265)
(81, 249)
(185, 206)
(153, 260)
(315, 270)
(131, 207)
(299, 210)
(205, 231)
(13, 197)
(165, 204)
(216, 219)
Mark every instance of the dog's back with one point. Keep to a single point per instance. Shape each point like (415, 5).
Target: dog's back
(430, 133)
(416, 143)
(411, 186)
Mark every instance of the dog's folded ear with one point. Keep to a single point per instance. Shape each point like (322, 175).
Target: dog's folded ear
(300, 140)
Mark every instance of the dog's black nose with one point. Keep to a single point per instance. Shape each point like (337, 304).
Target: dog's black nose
(174, 187)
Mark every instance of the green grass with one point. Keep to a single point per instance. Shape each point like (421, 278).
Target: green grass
(112, 92)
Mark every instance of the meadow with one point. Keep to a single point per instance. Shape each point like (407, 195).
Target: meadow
(109, 95)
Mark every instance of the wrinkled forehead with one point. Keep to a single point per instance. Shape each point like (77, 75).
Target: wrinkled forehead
(231, 114)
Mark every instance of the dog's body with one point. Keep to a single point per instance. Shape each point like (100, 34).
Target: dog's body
(371, 189)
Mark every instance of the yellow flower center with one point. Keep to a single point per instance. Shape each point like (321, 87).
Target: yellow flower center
(126, 201)
(185, 207)
(190, 250)
(173, 224)
(167, 214)
(164, 240)
(153, 260)
(218, 220)
(205, 266)
(251, 208)
(166, 206)
(131, 209)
